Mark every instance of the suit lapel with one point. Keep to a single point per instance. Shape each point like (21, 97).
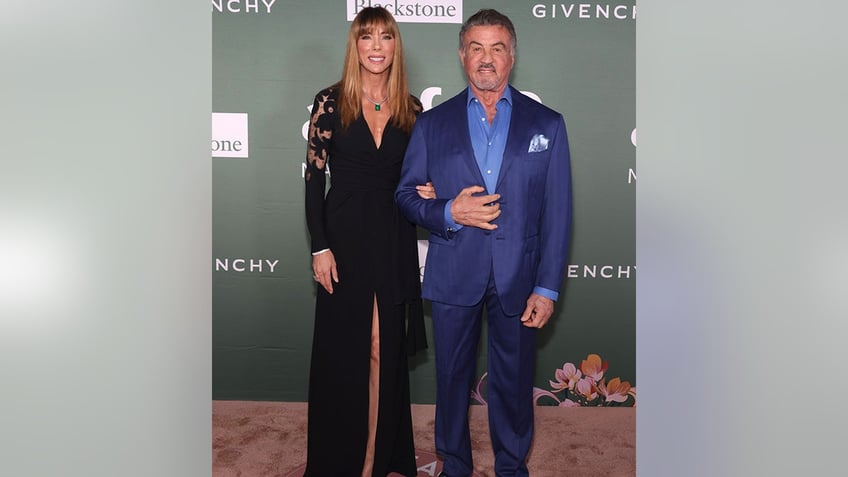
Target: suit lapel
(515, 142)
(466, 150)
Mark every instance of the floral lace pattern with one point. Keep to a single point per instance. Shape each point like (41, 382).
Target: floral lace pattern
(320, 130)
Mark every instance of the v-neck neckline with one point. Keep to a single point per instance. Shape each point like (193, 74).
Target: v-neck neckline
(377, 147)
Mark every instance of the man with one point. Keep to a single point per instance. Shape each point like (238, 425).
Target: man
(499, 232)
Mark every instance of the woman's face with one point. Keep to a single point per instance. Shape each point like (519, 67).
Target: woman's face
(376, 49)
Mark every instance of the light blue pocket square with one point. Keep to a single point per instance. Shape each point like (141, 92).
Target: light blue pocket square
(539, 143)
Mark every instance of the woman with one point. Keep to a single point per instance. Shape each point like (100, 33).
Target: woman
(365, 261)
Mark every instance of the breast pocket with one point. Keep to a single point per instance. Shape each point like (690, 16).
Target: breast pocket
(538, 156)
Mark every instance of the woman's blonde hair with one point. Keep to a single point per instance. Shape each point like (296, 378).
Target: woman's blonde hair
(401, 107)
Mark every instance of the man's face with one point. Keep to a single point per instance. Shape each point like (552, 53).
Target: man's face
(487, 57)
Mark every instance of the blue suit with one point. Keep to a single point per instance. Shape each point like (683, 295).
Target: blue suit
(471, 269)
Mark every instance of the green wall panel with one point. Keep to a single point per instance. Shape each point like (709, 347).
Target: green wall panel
(269, 65)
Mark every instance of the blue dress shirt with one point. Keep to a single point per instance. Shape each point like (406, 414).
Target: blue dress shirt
(489, 143)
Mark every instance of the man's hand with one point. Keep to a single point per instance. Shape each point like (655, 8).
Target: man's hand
(538, 312)
(324, 270)
(475, 211)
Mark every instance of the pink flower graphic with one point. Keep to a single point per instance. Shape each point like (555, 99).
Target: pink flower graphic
(566, 378)
(573, 387)
(587, 388)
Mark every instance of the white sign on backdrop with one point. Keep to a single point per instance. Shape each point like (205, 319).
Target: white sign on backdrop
(229, 134)
(412, 11)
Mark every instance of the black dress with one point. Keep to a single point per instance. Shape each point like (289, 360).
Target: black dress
(376, 254)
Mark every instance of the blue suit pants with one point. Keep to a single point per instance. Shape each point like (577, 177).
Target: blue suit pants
(510, 363)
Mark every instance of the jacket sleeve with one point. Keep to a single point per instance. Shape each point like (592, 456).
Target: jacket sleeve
(555, 233)
(428, 213)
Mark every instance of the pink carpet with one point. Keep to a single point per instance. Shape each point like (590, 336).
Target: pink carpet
(268, 439)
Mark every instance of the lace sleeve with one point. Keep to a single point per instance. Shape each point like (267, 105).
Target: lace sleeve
(317, 155)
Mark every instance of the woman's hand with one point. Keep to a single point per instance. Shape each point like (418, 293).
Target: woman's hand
(324, 270)
(426, 191)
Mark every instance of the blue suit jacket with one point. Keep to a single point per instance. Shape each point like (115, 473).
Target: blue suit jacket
(530, 246)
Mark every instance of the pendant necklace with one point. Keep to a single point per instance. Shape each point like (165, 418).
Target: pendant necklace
(375, 103)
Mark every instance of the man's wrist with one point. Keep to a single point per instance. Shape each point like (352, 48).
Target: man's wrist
(450, 225)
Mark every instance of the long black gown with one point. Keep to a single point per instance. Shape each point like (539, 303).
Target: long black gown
(376, 254)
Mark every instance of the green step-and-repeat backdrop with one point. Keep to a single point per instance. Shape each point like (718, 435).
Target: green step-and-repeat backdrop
(270, 57)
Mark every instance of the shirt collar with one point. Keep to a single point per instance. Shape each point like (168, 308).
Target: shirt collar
(507, 95)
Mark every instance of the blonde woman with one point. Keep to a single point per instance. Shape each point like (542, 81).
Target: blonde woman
(368, 313)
